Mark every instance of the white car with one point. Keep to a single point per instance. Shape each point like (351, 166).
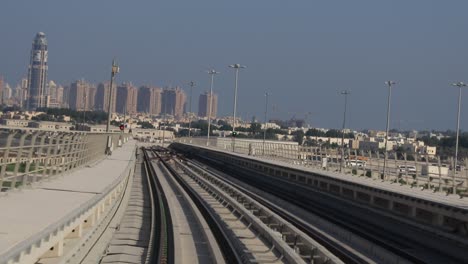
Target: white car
(356, 163)
(403, 169)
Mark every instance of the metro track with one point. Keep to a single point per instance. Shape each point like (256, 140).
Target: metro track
(222, 239)
(301, 197)
(162, 240)
(337, 249)
(269, 229)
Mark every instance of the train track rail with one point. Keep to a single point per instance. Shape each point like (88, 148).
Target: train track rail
(162, 242)
(277, 235)
(338, 249)
(372, 231)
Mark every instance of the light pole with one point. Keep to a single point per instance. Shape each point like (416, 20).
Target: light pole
(115, 69)
(345, 93)
(459, 85)
(265, 126)
(212, 73)
(389, 84)
(236, 67)
(165, 121)
(192, 84)
(85, 98)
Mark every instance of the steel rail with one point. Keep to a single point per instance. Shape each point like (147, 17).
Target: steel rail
(313, 251)
(337, 249)
(163, 237)
(222, 238)
(388, 241)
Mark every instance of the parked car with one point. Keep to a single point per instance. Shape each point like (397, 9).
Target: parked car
(406, 169)
(356, 163)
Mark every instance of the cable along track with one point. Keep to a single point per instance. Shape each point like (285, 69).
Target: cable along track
(259, 234)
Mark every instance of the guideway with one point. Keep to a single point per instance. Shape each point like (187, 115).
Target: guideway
(47, 220)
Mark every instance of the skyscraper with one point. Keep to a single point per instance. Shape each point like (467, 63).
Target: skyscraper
(7, 94)
(59, 96)
(101, 101)
(173, 102)
(81, 96)
(53, 95)
(204, 105)
(37, 76)
(149, 100)
(126, 101)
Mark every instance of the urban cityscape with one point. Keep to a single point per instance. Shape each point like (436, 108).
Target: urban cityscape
(283, 154)
(32, 100)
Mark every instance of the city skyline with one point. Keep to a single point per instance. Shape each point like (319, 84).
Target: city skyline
(304, 62)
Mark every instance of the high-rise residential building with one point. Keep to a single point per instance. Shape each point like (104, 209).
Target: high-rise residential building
(59, 96)
(23, 97)
(79, 96)
(101, 100)
(90, 97)
(66, 96)
(173, 102)
(55, 95)
(7, 94)
(149, 100)
(37, 75)
(17, 92)
(204, 105)
(52, 94)
(126, 101)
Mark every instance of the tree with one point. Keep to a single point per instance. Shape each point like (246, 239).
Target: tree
(255, 128)
(333, 133)
(182, 133)
(222, 123)
(145, 124)
(226, 127)
(315, 133)
(299, 136)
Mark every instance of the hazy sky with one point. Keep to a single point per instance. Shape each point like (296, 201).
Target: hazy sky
(303, 52)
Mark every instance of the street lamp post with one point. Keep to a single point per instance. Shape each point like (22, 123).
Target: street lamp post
(345, 93)
(265, 126)
(389, 84)
(212, 73)
(192, 84)
(115, 69)
(236, 67)
(459, 85)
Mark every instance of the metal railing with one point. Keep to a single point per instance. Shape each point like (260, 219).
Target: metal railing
(417, 170)
(29, 156)
(26, 246)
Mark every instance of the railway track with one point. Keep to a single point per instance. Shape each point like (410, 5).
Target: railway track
(403, 245)
(252, 232)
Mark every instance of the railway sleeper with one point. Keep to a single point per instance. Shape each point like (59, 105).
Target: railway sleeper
(291, 241)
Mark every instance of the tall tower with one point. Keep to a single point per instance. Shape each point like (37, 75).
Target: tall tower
(149, 100)
(173, 102)
(37, 76)
(204, 105)
(101, 100)
(126, 101)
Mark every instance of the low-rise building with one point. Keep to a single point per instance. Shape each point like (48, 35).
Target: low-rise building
(153, 134)
(15, 122)
(430, 151)
(96, 128)
(47, 125)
